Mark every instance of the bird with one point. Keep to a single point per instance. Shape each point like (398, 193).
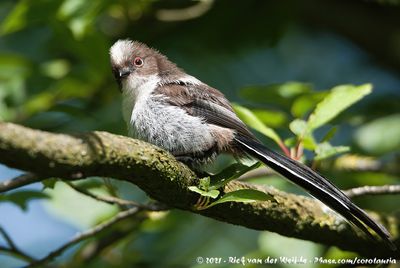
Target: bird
(167, 107)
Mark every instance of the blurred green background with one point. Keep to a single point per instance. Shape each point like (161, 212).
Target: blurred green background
(55, 75)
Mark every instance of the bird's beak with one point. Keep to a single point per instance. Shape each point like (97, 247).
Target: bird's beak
(120, 74)
(124, 72)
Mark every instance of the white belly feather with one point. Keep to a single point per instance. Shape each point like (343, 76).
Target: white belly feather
(150, 119)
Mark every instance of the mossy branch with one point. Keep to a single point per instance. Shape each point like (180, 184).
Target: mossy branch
(165, 179)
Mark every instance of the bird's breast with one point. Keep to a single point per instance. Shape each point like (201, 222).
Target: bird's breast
(169, 127)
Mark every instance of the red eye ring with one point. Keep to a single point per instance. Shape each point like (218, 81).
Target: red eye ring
(138, 61)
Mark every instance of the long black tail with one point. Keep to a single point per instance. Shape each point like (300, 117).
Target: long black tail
(316, 185)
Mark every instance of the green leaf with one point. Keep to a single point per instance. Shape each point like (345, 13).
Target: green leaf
(340, 98)
(293, 89)
(79, 15)
(204, 183)
(56, 68)
(230, 173)
(250, 119)
(21, 198)
(303, 133)
(243, 195)
(49, 183)
(290, 142)
(16, 19)
(208, 186)
(91, 183)
(380, 136)
(212, 193)
(329, 135)
(298, 127)
(325, 150)
(305, 103)
(271, 118)
(13, 65)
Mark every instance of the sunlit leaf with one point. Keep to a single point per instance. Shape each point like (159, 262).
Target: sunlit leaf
(204, 183)
(243, 195)
(305, 103)
(300, 128)
(251, 120)
(211, 193)
(271, 118)
(325, 150)
(292, 89)
(230, 173)
(340, 98)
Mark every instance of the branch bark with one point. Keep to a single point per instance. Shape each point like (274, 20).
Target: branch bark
(163, 178)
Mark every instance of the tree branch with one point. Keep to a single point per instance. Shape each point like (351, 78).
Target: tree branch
(167, 180)
(373, 190)
(19, 181)
(116, 201)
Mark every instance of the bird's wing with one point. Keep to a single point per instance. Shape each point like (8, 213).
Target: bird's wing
(205, 102)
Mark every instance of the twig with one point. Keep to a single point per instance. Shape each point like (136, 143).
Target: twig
(84, 235)
(19, 181)
(13, 249)
(8, 239)
(91, 251)
(17, 253)
(373, 190)
(117, 201)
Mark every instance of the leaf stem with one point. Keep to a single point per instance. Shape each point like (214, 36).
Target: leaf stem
(284, 149)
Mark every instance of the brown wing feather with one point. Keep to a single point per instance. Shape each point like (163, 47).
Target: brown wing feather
(206, 102)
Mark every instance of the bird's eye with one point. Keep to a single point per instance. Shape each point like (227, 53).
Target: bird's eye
(138, 61)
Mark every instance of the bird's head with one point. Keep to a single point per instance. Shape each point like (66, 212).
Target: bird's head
(134, 63)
